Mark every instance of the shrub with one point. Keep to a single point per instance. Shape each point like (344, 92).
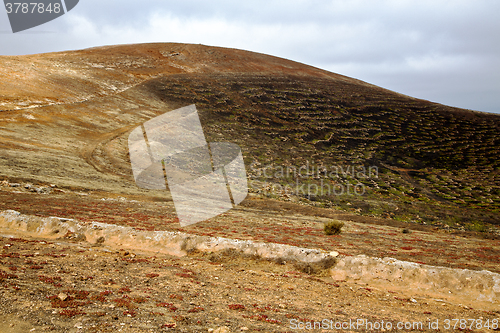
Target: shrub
(477, 226)
(333, 227)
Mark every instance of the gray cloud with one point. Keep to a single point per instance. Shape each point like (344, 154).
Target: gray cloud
(444, 51)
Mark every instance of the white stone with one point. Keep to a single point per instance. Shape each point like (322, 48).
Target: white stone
(223, 329)
(334, 254)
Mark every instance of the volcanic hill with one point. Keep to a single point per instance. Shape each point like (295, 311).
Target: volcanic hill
(411, 180)
(65, 118)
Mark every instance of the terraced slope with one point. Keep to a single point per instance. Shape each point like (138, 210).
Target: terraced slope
(416, 160)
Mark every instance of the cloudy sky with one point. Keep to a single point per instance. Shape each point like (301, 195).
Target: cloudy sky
(446, 51)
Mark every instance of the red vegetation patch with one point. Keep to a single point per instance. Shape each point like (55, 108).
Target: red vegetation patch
(236, 307)
(124, 290)
(196, 309)
(169, 306)
(130, 313)
(36, 267)
(124, 302)
(263, 318)
(139, 299)
(67, 303)
(78, 294)
(51, 280)
(169, 325)
(174, 296)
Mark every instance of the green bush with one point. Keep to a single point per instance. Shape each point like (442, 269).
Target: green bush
(333, 227)
(477, 226)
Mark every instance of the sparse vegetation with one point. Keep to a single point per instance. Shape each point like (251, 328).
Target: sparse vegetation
(477, 226)
(333, 227)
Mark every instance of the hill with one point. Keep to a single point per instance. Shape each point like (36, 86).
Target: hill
(430, 163)
(411, 180)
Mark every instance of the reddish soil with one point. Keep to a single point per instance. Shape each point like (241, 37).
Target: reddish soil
(64, 286)
(277, 222)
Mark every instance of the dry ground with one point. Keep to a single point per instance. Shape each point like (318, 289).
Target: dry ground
(66, 286)
(274, 221)
(112, 289)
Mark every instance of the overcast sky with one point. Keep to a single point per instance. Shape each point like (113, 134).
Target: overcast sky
(439, 50)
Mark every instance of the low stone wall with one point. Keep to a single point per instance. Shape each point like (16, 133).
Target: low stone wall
(173, 243)
(481, 286)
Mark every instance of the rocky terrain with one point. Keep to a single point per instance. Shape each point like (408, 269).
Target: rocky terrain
(65, 286)
(429, 176)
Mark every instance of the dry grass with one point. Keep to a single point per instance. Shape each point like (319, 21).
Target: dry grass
(333, 227)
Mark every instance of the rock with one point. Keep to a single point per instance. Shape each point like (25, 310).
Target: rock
(334, 254)
(44, 190)
(338, 275)
(39, 190)
(223, 329)
(62, 296)
(244, 328)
